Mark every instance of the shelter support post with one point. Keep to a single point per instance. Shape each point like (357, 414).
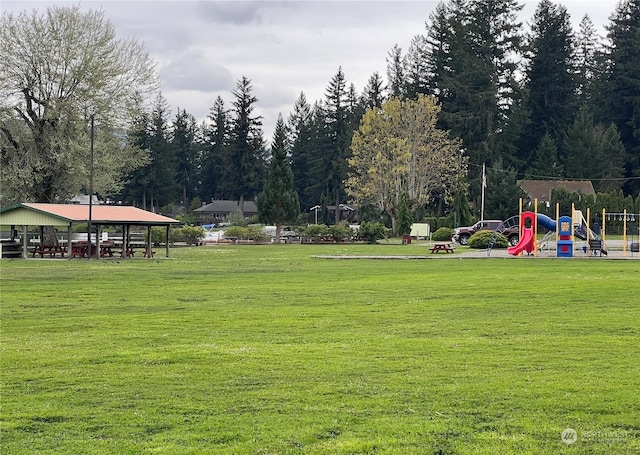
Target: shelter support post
(167, 241)
(25, 241)
(125, 241)
(149, 255)
(69, 244)
(98, 235)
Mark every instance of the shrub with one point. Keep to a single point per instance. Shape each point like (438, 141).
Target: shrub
(481, 239)
(316, 231)
(191, 235)
(340, 232)
(158, 235)
(256, 233)
(372, 231)
(236, 232)
(443, 234)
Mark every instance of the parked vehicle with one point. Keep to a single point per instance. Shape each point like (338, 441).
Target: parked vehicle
(509, 230)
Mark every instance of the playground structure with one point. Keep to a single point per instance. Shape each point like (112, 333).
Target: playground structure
(569, 228)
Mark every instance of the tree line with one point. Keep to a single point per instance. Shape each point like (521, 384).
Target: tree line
(538, 102)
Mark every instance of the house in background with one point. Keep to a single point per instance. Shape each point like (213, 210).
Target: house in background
(217, 211)
(543, 189)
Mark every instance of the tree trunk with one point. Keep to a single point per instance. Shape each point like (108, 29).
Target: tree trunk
(278, 230)
(394, 228)
(241, 205)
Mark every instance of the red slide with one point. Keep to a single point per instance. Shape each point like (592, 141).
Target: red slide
(525, 243)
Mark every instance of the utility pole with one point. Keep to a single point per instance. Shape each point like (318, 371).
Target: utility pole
(90, 227)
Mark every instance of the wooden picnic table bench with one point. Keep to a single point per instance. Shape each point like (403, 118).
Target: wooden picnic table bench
(51, 250)
(81, 249)
(442, 246)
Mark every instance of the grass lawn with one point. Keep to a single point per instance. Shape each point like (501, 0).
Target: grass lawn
(267, 350)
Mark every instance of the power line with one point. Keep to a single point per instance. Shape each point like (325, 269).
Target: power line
(548, 177)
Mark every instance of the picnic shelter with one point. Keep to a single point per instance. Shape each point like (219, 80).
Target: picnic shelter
(25, 215)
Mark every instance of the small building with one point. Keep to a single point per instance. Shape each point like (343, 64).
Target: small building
(217, 211)
(543, 189)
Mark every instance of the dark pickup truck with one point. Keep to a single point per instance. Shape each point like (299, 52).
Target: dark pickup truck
(510, 231)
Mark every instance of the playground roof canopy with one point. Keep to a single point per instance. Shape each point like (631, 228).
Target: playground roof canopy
(542, 189)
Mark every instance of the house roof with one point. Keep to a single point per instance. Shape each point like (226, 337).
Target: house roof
(223, 206)
(541, 189)
(64, 214)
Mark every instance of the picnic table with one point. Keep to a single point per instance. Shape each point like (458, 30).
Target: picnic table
(81, 249)
(442, 246)
(50, 250)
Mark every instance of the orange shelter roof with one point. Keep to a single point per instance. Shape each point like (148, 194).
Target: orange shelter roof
(100, 214)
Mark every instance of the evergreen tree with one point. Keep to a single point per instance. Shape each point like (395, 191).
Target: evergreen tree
(550, 76)
(546, 164)
(404, 215)
(185, 147)
(216, 143)
(329, 163)
(162, 188)
(278, 202)
(138, 182)
(373, 95)
(439, 39)
(583, 155)
(245, 161)
(621, 89)
(475, 76)
(594, 152)
(503, 192)
(416, 68)
(613, 153)
(300, 128)
(395, 72)
(587, 59)
(355, 107)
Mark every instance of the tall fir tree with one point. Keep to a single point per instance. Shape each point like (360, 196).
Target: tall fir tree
(245, 159)
(475, 76)
(550, 77)
(278, 202)
(582, 154)
(162, 188)
(588, 50)
(439, 38)
(184, 143)
(138, 181)
(300, 128)
(621, 88)
(329, 163)
(546, 164)
(373, 95)
(613, 152)
(396, 81)
(216, 144)
(416, 68)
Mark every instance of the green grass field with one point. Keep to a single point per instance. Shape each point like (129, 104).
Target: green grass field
(267, 350)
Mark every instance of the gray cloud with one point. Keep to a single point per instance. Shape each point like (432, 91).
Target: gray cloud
(226, 12)
(196, 71)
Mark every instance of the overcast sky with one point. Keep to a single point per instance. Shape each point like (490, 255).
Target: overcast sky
(285, 47)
